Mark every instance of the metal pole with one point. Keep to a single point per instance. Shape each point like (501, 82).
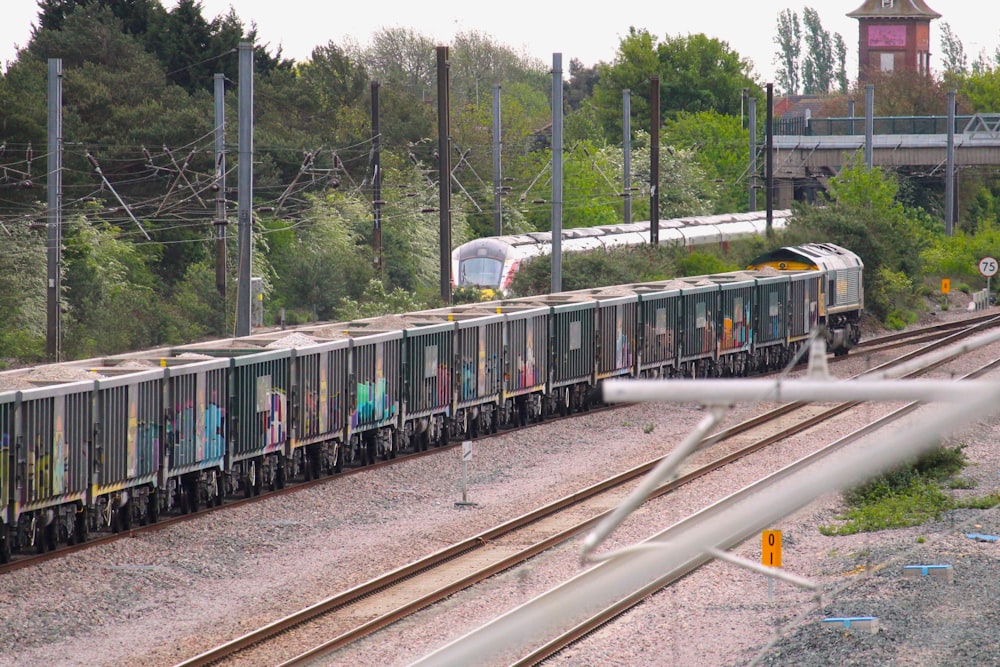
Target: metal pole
(949, 183)
(245, 186)
(654, 160)
(53, 339)
(444, 171)
(377, 178)
(220, 191)
(557, 171)
(497, 174)
(769, 163)
(752, 126)
(869, 124)
(850, 113)
(627, 151)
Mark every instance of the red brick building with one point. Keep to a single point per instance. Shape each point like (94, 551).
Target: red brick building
(894, 35)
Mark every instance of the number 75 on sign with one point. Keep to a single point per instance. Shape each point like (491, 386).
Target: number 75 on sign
(770, 548)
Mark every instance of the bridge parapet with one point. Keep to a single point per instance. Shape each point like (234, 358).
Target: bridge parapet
(983, 123)
(848, 126)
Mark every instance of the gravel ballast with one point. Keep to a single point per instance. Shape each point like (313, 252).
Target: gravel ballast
(167, 595)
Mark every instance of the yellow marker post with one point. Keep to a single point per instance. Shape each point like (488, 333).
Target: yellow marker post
(770, 548)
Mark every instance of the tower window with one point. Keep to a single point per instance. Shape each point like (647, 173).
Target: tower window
(887, 4)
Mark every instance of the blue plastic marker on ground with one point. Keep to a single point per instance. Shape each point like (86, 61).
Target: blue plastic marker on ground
(925, 569)
(982, 538)
(847, 620)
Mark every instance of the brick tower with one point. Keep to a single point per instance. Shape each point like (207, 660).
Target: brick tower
(894, 35)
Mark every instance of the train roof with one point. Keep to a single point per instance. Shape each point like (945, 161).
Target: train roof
(821, 256)
(639, 228)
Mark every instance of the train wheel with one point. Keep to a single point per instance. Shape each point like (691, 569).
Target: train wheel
(125, 516)
(39, 539)
(191, 487)
(4, 544)
(279, 475)
(338, 465)
(220, 488)
(51, 535)
(115, 519)
(313, 465)
(80, 527)
(153, 506)
(250, 478)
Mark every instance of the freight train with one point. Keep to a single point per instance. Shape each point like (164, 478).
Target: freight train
(102, 444)
(490, 263)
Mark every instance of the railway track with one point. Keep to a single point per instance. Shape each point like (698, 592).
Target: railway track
(608, 613)
(340, 620)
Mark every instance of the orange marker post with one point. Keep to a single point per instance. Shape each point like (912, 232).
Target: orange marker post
(770, 555)
(770, 548)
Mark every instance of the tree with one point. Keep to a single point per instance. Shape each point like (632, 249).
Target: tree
(318, 261)
(581, 84)
(982, 90)
(719, 145)
(401, 58)
(840, 56)
(817, 69)
(110, 295)
(134, 15)
(905, 93)
(22, 292)
(865, 216)
(953, 58)
(697, 73)
(789, 41)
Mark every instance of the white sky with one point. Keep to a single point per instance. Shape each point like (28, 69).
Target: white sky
(543, 28)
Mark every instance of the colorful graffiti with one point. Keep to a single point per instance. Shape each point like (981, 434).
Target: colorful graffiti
(274, 420)
(623, 348)
(374, 403)
(197, 434)
(527, 373)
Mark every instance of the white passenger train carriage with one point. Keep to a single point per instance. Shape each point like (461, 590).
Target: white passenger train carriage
(492, 262)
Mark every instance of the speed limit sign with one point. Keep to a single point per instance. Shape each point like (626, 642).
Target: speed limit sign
(988, 267)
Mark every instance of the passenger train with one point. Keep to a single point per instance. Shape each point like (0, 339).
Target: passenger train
(490, 263)
(101, 444)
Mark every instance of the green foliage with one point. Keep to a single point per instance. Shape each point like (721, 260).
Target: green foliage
(957, 257)
(701, 263)
(818, 67)
(865, 216)
(23, 293)
(894, 294)
(110, 298)
(908, 495)
(719, 145)
(917, 504)
(789, 42)
(982, 90)
(697, 73)
(377, 301)
(617, 266)
(318, 261)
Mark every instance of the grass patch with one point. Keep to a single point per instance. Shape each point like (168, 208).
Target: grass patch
(909, 495)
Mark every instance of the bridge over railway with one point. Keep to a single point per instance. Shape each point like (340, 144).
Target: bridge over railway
(804, 161)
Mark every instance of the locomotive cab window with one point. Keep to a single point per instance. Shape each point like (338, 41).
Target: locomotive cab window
(480, 271)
